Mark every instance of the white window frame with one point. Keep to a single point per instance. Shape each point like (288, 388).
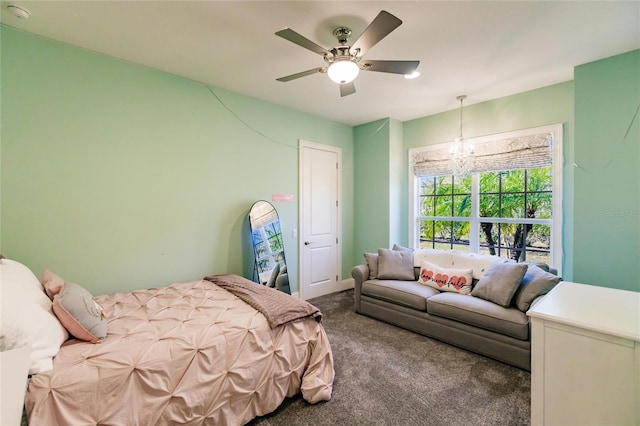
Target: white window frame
(556, 130)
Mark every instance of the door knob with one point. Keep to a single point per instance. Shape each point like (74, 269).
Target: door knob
(306, 243)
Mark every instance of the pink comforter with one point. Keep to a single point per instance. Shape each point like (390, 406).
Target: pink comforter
(189, 353)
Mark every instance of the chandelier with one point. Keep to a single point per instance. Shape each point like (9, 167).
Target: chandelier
(461, 156)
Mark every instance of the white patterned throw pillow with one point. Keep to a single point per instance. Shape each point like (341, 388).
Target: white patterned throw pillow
(446, 279)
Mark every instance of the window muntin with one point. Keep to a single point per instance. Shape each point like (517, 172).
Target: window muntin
(444, 234)
(511, 205)
(268, 245)
(503, 199)
(445, 196)
(516, 194)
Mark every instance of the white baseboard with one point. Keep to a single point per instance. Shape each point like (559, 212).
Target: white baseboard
(341, 286)
(347, 284)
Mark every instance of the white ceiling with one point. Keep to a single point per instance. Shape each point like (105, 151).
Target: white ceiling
(484, 49)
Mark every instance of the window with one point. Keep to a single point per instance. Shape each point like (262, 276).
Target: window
(445, 209)
(510, 206)
(268, 245)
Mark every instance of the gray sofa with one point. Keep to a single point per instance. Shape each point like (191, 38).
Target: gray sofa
(463, 320)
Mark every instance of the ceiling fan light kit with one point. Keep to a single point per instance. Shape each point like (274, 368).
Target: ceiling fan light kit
(344, 71)
(344, 60)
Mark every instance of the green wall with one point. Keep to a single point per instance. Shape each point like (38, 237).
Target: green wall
(121, 177)
(607, 176)
(601, 172)
(371, 166)
(380, 195)
(547, 105)
(397, 192)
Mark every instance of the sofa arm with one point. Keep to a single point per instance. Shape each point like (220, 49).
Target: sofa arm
(360, 274)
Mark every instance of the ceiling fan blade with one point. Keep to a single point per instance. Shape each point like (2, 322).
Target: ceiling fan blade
(347, 89)
(394, 67)
(300, 40)
(378, 29)
(301, 74)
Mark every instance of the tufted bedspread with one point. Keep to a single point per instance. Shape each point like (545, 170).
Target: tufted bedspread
(189, 353)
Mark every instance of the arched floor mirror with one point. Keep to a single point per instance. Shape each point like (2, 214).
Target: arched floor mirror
(269, 264)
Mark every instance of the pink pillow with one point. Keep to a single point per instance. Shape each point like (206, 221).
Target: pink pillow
(75, 308)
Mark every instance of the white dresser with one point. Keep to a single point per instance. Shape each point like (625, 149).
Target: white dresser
(585, 357)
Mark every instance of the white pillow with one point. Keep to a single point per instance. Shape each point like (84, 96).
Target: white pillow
(444, 258)
(446, 279)
(27, 316)
(478, 262)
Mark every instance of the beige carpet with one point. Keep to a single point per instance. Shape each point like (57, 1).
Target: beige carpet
(389, 376)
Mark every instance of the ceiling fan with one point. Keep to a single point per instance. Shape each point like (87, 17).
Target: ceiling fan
(344, 61)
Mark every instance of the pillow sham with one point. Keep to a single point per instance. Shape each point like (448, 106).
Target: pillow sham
(395, 265)
(372, 263)
(26, 316)
(500, 282)
(74, 306)
(536, 282)
(445, 279)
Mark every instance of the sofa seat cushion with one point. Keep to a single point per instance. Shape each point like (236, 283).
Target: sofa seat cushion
(405, 293)
(480, 313)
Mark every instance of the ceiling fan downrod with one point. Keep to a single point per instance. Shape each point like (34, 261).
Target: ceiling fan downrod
(342, 34)
(343, 51)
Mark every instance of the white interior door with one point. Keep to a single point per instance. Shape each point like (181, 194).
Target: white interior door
(320, 246)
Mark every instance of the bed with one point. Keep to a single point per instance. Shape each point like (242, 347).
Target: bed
(193, 353)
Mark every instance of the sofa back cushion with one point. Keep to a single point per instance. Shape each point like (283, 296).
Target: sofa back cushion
(443, 258)
(458, 260)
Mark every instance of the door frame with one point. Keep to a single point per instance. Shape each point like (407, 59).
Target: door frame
(302, 146)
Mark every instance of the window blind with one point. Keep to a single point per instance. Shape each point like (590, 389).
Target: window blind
(524, 152)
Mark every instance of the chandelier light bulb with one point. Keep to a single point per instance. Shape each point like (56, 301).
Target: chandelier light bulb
(344, 71)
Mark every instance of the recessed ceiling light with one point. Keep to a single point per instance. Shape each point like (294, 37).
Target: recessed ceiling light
(18, 11)
(412, 75)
